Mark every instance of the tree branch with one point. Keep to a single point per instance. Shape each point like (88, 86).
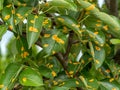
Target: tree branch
(63, 62)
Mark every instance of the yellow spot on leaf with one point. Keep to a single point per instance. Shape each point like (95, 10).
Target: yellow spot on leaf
(45, 22)
(36, 16)
(112, 79)
(91, 7)
(98, 20)
(19, 4)
(105, 27)
(22, 48)
(13, 11)
(71, 73)
(10, 27)
(32, 21)
(46, 35)
(9, 5)
(53, 52)
(91, 80)
(114, 89)
(98, 25)
(54, 73)
(95, 33)
(47, 4)
(13, 80)
(19, 16)
(89, 59)
(61, 19)
(77, 82)
(55, 82)
(24, 79)
(24, 54)
(1, 86)
(45, 45)
(97, 48)
(65, 30)
(87, 12)
(57, 39)
(62, 84)
(6, 17)
(6, 88)
(97, 61)
(107, 70)
(24, 4)
(32, 29)
(75, 25)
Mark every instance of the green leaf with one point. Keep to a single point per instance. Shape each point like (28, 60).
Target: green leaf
(3, 29)
(21, 13)
(8, 16)
(59, 88)
(107, 85)
(115, 41)
(9, 77)
(45, 71)
(54, 41)
(97, 36)
(30, 77)
(70, 22)
(22, 47)
(66, 4)
(99, 57)
(107, 19)
(1, 4)
(34, 25)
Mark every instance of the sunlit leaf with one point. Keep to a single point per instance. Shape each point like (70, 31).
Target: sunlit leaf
(115, 41)
(34, 26)
(97, 36)
(54, 41)
(70, 23)
(63, 4)
(1, 4)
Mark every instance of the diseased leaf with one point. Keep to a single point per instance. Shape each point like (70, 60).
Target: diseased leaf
(97, 36)
(9, 77)
(99, 57)
(54, 41)
(30, 77)
(109, 84)
(3, 29)
(34, 26)
(8, 16)
(70, 23)
(63, 4)
(21, 13)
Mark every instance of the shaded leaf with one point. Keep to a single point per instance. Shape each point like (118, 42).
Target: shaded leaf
(3, 29)
(30, 77)
(99, 57)
(21, 13)
(9, 77)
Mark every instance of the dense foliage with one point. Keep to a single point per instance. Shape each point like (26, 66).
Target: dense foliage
(78, 41)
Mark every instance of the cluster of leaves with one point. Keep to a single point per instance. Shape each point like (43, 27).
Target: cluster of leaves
(75, 37)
